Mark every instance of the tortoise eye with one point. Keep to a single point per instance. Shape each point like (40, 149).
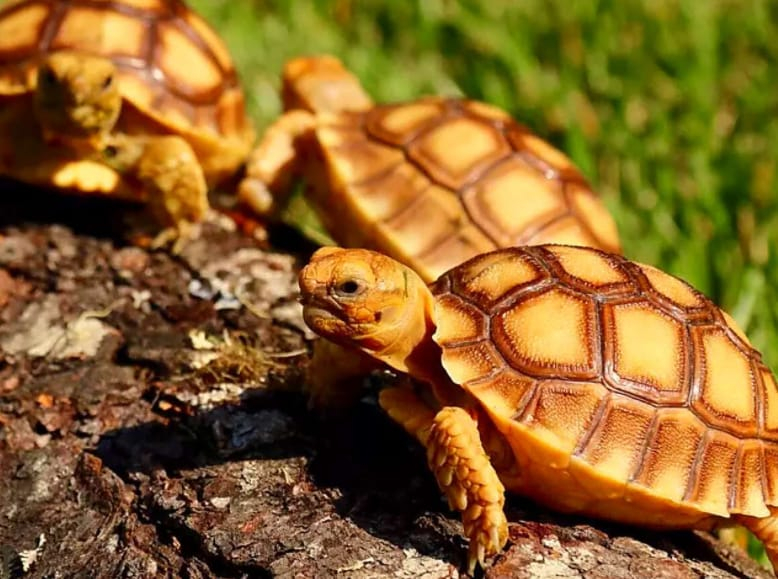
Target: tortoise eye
(349, 288)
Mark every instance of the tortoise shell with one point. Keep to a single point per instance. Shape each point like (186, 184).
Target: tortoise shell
(624, 392)
(437, 181)
(174, 71)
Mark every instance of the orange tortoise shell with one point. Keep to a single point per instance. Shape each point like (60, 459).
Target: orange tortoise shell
(596, 366)
(436, 181)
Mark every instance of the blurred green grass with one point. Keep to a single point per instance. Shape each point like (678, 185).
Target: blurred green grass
(669, 106)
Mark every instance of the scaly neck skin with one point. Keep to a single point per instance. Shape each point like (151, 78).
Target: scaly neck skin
(414, 352)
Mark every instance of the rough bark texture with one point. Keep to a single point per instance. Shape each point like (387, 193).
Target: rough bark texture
(136, 442)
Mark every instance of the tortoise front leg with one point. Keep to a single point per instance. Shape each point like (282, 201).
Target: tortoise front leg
(171, 175)
(274, 163)
(766, 530)
(460, 465)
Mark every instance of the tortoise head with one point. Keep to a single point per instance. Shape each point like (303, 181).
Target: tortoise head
(77, 95)
(363, 299)
(321, 84)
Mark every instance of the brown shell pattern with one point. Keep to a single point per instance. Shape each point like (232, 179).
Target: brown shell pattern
(172, 65)
(446, 179)
(629, 368)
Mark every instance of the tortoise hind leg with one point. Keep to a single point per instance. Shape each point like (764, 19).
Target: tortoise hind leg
(461, 467)
(766, 530)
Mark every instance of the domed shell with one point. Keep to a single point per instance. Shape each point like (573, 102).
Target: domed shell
(438, 180)
(173, 67)
(620, 369)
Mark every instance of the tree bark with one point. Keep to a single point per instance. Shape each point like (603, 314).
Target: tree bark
(136, 442)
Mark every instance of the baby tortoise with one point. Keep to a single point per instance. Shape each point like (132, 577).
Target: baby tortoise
(431, 182)
(582, 380)
(138, 100)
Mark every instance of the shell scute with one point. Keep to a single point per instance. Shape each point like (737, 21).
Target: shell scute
(725, 383)
(769, 427)
(548, 159)
(487, 198)
(589, 271)
(488, 279)
(748, 493)
(399, 124)
(618, 437)
(565, 411)
(712, 486)
(656, 375)
(670, 453)
(505, 393)
(454, 167)
(685, 408)
(550, 334)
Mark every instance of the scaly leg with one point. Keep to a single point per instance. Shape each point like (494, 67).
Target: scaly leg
(274, 163)
(460, 465)
(766, 530)
(169, 171)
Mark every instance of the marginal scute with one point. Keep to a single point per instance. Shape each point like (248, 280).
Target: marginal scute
(669, 459)
(769, 391)
(588, 209)
(565, 410)
(213, 40)
(541, 151)
(468, 241)
(726, 391)
(770, 465)
(486, 110)
(711, 486)
(505, 394)
(467, 363)
(457, 322)
(658, 375)
(616, 445)
(356, 163)
(549, 334)
(387, 194)
(749, 497)
(735, 327)
(436, 212)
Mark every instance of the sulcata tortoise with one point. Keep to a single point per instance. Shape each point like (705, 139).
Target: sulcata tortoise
(577, 378)
(137, 99)
(430, 182)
